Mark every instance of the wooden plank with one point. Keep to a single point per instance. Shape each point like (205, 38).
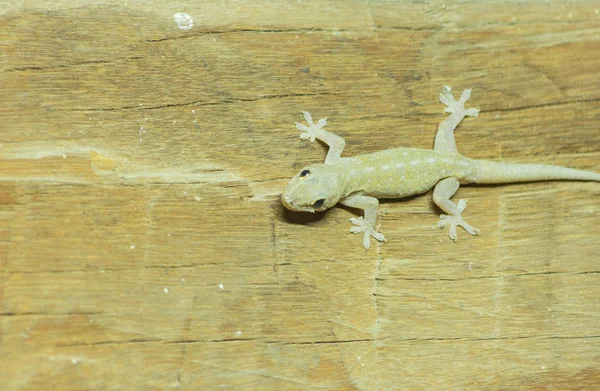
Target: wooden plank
(143, 244)
(489, 364)
(239, 364)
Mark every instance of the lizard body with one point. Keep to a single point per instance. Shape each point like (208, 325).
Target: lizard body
(359, 181)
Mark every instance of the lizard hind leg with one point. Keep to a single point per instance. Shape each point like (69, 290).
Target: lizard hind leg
(444, 139)
(441, 196)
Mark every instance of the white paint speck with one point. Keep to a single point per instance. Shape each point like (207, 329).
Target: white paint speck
(238, 333)
(183, 21)
(166, 290)
(183, 280)
(64, 156)
(221, 286)
(543, 367)
(132, 247)
(471, 266)
(197, 198)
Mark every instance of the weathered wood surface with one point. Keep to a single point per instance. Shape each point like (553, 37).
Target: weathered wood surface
(143, 244)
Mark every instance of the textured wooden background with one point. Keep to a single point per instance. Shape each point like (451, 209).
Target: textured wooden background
(143, 244)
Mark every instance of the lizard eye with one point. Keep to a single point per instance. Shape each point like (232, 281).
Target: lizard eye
(318, 203)
(304, 173)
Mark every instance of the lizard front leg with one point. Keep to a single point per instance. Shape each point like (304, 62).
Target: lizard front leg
(441, 196)
(315, 131)
(364, 224)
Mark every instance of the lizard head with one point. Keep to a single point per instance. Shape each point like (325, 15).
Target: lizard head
(315, 188)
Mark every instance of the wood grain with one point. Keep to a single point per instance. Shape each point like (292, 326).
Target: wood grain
(143, 244)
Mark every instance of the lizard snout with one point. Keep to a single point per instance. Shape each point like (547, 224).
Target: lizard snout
(287, 201)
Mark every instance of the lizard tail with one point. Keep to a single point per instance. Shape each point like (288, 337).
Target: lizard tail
(495, 172)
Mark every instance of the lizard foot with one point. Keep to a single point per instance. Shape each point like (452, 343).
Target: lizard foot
(454, 106)
(368, 229)
(310, 131)
(456, 220)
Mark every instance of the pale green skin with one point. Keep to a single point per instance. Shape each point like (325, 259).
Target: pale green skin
(358, 181)
(391, 173)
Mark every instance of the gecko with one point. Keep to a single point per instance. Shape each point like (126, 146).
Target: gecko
(359, 181)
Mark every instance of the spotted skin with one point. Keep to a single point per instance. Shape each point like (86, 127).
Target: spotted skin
(359, 181)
